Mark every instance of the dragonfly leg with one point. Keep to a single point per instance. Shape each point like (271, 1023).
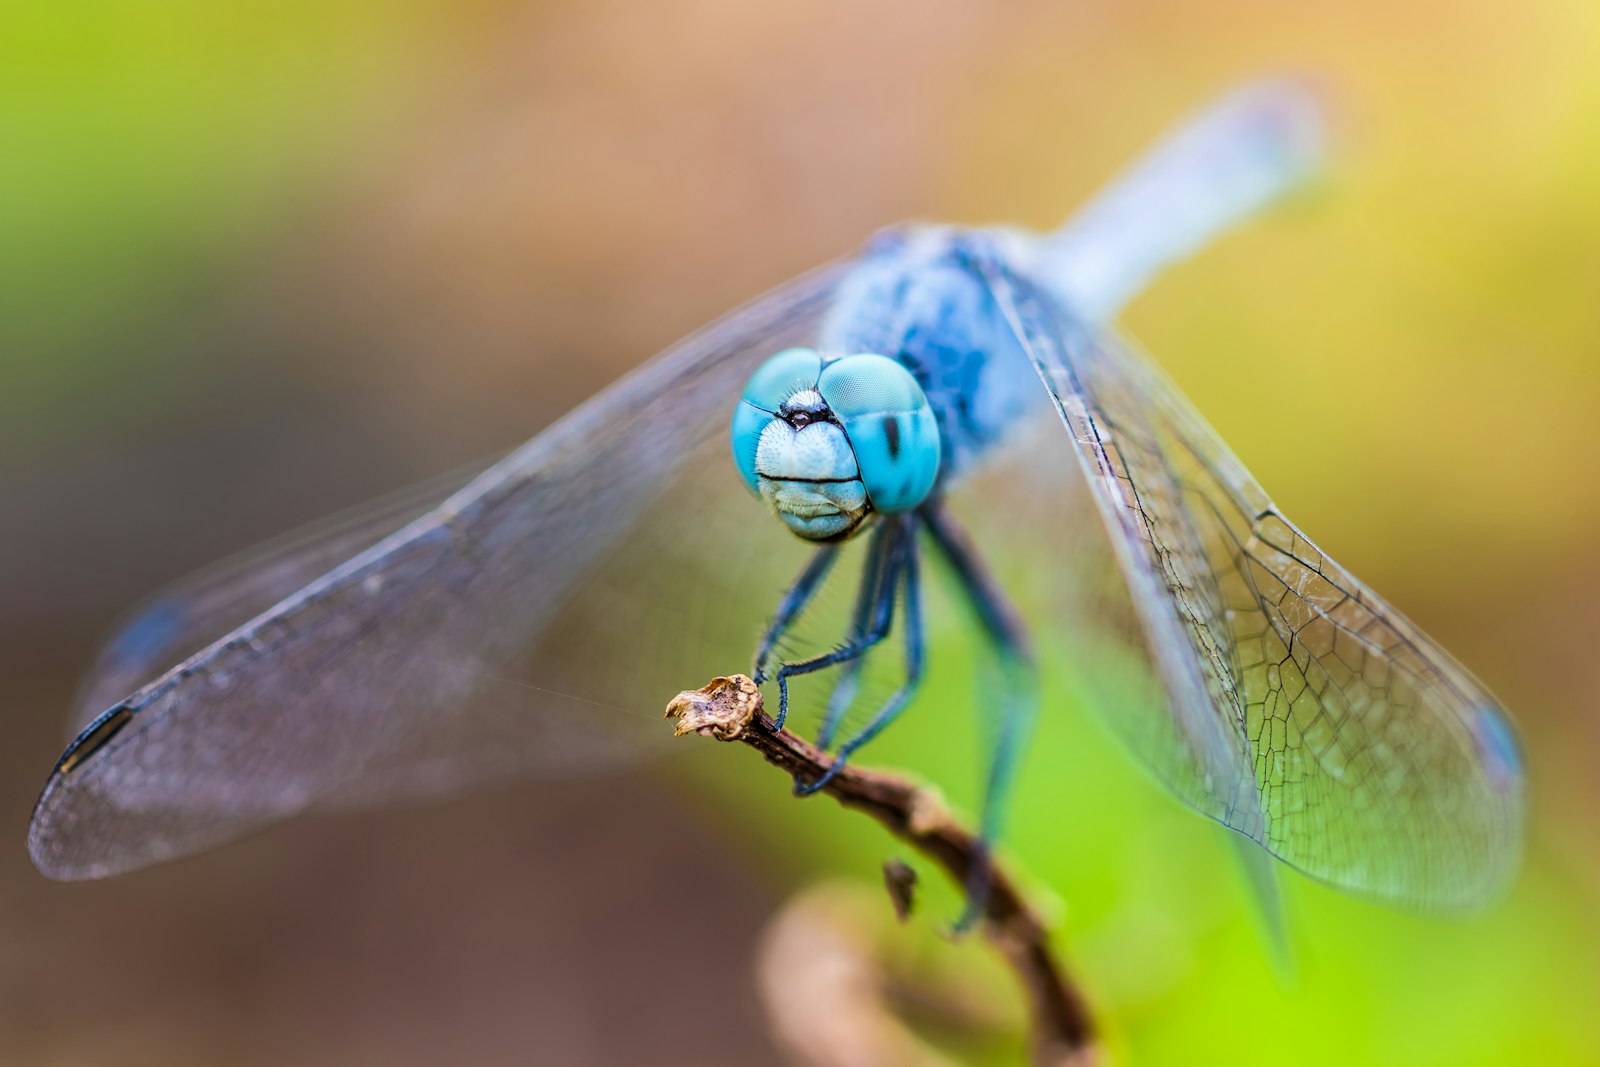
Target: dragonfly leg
(793, 603)
(916, 658)
(844, 688)
(890, 540)
(1013, 700)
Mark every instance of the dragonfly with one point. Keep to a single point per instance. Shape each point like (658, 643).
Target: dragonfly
(488, 628)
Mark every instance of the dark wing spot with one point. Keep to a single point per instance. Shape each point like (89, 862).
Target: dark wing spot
(95, 738)
(891, 431)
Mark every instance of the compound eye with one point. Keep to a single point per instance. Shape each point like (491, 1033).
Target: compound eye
(890, 425)
(774, 382)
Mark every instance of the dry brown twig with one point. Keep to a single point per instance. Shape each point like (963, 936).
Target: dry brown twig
(731, 709)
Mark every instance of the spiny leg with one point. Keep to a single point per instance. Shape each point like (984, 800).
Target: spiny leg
(1017, 697)
(844, 687)
(916, 660)
(884, 542)
(793, 603)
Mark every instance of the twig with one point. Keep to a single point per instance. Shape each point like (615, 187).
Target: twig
(730, 709)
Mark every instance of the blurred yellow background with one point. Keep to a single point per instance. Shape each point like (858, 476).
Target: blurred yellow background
(258, 262)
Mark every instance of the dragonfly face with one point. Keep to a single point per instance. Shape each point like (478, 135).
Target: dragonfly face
(826, 443)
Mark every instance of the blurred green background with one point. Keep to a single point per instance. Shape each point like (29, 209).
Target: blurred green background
(258, 262)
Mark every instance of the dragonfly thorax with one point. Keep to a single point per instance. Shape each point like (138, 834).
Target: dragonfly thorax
(828, 442)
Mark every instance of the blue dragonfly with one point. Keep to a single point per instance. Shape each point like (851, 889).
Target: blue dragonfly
(873, 407)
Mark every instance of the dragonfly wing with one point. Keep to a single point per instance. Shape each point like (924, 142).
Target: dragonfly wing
(193, 612)
(1299, 708)
(400, 671)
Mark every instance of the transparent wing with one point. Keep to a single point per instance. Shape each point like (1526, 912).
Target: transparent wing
(1299, 708)
(191, 613)
(543, 607)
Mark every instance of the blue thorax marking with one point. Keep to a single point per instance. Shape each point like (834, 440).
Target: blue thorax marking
(916, 298)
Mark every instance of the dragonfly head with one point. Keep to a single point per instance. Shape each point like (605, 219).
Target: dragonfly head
(827, 442)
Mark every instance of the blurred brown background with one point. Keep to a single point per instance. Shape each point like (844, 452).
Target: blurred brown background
(260, 262)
